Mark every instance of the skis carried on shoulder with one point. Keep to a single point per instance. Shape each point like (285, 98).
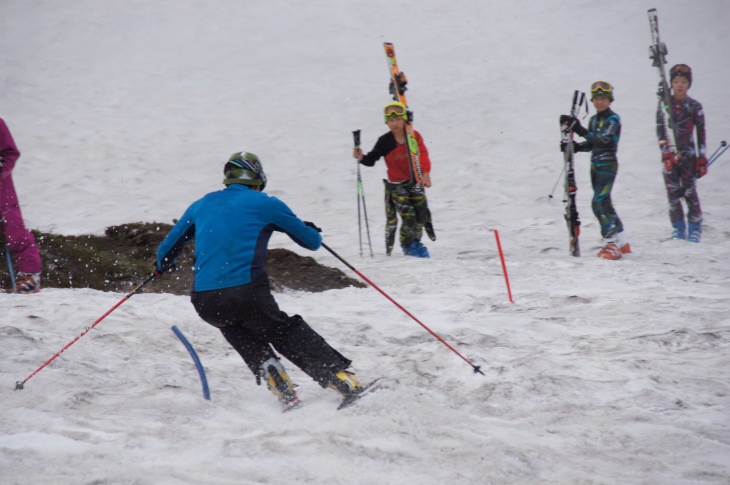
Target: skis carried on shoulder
(397, 88)
(571, 208)
(398, 82)
(658, 55)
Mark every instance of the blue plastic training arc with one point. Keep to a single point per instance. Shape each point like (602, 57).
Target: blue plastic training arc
(194, 355)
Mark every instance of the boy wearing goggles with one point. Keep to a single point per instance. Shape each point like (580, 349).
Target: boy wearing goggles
(402, 195)
(602, 136)
(690, 162)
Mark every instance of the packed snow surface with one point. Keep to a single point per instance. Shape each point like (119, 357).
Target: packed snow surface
(600, 372)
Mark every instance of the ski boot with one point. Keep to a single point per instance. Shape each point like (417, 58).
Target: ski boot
(423, 251)
(622, 243)
(279, 383)
(695, 233)
(610, 251)
(416, 249)
(345, 383)
(680, 230)
(28, 283)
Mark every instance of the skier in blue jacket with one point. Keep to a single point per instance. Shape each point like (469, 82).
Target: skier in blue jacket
(231, 290)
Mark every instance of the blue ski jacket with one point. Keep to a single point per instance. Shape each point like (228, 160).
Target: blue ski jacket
(231, 229)
(604, 131)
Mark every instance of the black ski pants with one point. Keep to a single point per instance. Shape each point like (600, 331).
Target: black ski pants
(250, 320)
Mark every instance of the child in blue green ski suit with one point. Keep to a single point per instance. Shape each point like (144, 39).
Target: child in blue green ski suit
(602, 136)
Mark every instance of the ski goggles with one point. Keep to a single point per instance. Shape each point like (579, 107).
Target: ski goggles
(681, 69)
(599, 88)
(395, 111)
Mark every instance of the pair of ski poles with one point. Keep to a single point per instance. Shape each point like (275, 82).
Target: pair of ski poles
(361, 200)
(21, 384)
(720, 150)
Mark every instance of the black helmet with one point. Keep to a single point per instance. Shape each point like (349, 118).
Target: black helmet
(681, 70)
(244, 168)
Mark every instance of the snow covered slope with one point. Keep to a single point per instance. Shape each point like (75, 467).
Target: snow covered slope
(600, 372)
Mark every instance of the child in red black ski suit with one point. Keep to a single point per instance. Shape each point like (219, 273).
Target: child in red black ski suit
(19, 240)
(681, 171)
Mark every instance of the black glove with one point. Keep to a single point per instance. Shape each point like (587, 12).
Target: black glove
(166, 268)
(574, 125)
(312, 225)
(577, 147)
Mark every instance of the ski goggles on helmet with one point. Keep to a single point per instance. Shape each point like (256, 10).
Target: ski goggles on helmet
(681, 69)
(601, 88)
(393, 111)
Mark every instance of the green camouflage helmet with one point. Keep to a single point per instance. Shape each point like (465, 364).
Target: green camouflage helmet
(244, 168)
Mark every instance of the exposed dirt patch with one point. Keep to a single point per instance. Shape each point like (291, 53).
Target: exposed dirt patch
(125, 255)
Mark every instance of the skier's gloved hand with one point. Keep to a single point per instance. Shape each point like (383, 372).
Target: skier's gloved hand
(312, 225)
(166, 267)
(701, 167)
(574, 124)
(669, 160)
(577, 147)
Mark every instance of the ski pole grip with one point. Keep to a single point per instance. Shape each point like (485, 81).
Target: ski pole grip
(356, 138)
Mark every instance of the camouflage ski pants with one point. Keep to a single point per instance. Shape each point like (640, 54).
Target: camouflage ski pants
(408, 200)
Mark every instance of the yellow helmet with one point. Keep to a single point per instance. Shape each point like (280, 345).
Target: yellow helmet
(395, 109)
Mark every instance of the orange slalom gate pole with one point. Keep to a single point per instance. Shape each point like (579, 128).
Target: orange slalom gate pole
(504, 266)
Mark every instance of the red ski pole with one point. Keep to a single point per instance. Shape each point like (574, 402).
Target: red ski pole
(475, 367)
(504, 266)
(20, 384)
